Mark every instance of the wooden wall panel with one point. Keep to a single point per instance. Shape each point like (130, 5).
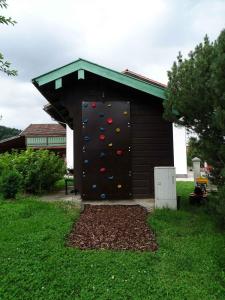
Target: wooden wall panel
(152, 145)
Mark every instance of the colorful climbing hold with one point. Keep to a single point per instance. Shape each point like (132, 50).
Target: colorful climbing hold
(117, 129)
(119, 186)
(85, 104)
(103, 196)
(102, 129)
(125, 113)
(102, 154)
(93, 104)
(85, 121)
(87, 138)
(119, 152)
(110, 144)
(109, 121)
(110, 177)
(109, 105)
(102, 170)
(102, 137)
(86, 161)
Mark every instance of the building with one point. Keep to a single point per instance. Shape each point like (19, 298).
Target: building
(119, 131)
(38, 136)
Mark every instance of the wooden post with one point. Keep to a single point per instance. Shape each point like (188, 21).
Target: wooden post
(196, 167)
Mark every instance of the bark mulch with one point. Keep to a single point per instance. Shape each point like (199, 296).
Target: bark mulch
(118, 227)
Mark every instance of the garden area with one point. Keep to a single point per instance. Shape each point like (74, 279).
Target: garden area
(37, 263)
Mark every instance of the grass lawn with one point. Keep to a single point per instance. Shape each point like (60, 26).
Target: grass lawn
(36, 264)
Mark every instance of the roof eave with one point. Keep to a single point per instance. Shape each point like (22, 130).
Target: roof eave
(100, 71)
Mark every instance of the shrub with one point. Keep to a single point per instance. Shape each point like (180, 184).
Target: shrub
(10, 183)
(40, 169)
(217, 204)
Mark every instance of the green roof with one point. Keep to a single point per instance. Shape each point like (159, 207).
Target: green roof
(81, 64)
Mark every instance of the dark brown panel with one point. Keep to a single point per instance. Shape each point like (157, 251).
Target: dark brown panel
(152, 145)
(101, 142)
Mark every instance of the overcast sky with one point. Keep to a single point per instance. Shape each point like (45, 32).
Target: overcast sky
(143, 36)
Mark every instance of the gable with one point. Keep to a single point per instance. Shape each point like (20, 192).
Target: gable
(80, 66)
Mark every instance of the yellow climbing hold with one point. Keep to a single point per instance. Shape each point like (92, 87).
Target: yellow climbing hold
(117, 129)
(125, 113)
(119, 186)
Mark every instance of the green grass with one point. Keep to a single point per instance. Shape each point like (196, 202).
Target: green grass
(59, 185)
(36, 264)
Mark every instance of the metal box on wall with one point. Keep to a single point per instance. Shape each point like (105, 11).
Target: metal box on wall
(165, 187)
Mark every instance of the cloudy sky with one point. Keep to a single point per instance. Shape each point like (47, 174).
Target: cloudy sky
(141, 35)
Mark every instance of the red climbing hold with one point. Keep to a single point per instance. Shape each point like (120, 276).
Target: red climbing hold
(93, 104)
(119, 152)
(109, 120)
(102, 170)
(102, 137)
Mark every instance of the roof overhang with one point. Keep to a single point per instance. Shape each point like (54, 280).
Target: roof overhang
(78, 68)
(81, 65)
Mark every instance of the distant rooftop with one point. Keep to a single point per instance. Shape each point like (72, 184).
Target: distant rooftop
(143, 78)
(44, 130)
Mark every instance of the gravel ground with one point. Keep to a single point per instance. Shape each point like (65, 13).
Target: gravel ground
(118, 227)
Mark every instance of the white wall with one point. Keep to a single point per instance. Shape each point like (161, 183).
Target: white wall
(69, 147)
(179, 146)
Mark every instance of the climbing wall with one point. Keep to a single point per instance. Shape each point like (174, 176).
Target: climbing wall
(106, 151)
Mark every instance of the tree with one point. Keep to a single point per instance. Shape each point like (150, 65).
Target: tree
(196, 99)
(194, 150)
(5, 65)
(7, 132)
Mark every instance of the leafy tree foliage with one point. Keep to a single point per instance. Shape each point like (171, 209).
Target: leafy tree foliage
(196, 99)
(194, 150)
(10, 183)
(39, 169)
(6, 132)
(5, 65)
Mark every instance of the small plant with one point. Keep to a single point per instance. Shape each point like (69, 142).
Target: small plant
(10, 184)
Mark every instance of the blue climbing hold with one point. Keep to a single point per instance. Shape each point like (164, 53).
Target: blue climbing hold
(102, 154)
(87, 138)
(103, 196)
(85, 104)
(85, 121)
(102, 129)
(86, 161)
(110, 177)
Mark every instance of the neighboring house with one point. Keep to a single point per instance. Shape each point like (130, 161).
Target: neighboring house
(38, 136)
(119, 131)
(15, 142)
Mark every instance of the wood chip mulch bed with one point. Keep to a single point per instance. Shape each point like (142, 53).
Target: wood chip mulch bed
(118, 227)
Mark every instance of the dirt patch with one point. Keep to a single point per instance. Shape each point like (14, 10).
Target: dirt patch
(118, 227)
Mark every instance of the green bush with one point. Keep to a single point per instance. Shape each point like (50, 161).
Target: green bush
(40, 169)
(217, 204)
(10, 183)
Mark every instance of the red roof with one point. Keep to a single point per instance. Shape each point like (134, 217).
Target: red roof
(44, 130)
(143, 78)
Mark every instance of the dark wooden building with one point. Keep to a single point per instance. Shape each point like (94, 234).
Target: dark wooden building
(119, 132)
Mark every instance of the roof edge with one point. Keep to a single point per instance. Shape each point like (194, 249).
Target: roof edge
(116, 76)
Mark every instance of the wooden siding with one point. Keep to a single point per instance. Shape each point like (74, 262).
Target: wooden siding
(46, 141)
(152, 145)
(152, 138)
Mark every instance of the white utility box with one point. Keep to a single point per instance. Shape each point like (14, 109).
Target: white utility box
(165, 187)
